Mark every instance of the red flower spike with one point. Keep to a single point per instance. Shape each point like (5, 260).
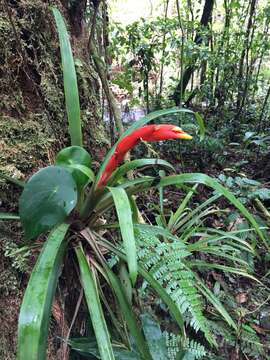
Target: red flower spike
(145, 133)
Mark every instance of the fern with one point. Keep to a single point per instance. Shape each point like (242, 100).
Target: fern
(190, 349)
(166, 263)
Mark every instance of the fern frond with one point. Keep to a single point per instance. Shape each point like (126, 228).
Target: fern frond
(166, 263)
(190, 348)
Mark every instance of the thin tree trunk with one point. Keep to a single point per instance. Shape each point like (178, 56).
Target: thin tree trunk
(101, 68)
(206, 16)
(162, 56)
(241, 87)
(263, 109)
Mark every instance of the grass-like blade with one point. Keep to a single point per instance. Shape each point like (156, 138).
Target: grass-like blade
(6, 216)
(124, 214)
(70, 81)
(128, 314)
(94, 307)
(215, 302)
(36, 306)
(214, 184)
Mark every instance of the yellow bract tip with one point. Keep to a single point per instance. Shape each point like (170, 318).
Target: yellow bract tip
(184, 136)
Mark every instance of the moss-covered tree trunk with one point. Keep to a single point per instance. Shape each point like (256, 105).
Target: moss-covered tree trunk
(33, 124)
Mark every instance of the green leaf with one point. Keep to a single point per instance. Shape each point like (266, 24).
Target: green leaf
(47, 199)
(89, 346)
(124, 214)
(73, 155)
(78, 161)
(215, 302)
(134, 164)
(176, 314)
(94, 307)
(155, 339)
(128, 314)
(200, 122)
(5, 216)
(70, 81)
(176, 216)
(214, 184)
(36, 306)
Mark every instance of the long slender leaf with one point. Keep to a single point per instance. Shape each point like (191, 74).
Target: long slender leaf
(174, 218)
(215, 302)
(124, 214)
(88, 346)
(36, 306)
(5, 216)
(214, 184)
(200, 264)
(70, 81)
(128, 314)
(94, 306)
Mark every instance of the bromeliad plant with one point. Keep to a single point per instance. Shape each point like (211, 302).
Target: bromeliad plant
(69, 199)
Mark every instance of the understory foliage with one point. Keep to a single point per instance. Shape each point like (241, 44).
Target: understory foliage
(152, 257)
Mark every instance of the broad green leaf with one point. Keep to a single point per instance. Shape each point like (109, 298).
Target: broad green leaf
(36, 306)
(73, 155)
(94, 307)
(6, 216)
(70, 81)
(128, 314)
(155, 339)
(124, 214)
(77, 160)
(134, 164)
(214, 184)
(47, 199)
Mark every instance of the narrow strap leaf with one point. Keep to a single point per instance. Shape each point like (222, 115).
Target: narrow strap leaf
(128, 314)
(36, 306)
(214, 184)
(70, 81)
(6, 216)
(124, 214)
(94, 306)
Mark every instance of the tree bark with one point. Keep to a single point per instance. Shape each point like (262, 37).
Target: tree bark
(33, 128)
(241, 85)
